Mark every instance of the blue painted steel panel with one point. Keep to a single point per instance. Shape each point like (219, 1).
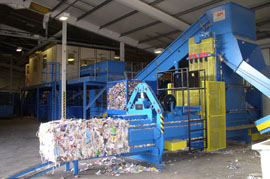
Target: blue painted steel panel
(6, 111)
(153, 85)
(237, 119)
(96, 111)
(238, 20)
(227, 45)
(252, 54)
(74, 112)
(139, 137)
(140, 150)
(107, 70)
(237, 133)
(9, 104)
(254, 98)
(235, 98)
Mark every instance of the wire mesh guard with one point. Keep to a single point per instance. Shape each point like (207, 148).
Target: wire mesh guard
(216, 115)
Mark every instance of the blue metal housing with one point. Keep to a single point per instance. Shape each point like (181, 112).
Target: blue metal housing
(237, 58)
(108, 69)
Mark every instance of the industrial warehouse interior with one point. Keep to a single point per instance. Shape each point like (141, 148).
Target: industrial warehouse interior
(135, 88)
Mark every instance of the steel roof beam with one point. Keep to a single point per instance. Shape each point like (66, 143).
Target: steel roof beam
(261, 6)
(70, 5)
(187, 12)
(13, 45)
(159, 36)
(87, 3)
(58, 5)
(161, 41)
(196, 8)
(55, 8)
(118, 19)
(259, 22)
(127, 15)
(28, 19)
(170, 38)
(140, 28)
(42, 44)
(15, 67)
(94, 9)
(17, 4)
(25, 36)
(175, 15)
(105, 32)
(155, 13)
(263, 21)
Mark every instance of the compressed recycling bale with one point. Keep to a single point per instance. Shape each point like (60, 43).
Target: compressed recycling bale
(117, 94)
(131, 86)
(68, 140)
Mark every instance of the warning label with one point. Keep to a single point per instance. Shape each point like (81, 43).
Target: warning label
(219, 15)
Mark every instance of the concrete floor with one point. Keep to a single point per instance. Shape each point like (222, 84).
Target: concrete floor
(19, 150)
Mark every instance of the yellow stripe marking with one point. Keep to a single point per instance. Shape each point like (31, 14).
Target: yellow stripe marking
(105, 114)
(263, 125)
(162, 123)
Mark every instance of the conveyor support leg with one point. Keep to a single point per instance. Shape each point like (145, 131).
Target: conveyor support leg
(76, 168)
(67, 166)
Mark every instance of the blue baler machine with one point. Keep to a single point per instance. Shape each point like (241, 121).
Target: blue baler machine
(199, 106)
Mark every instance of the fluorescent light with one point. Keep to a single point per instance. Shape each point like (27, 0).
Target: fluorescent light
(19, 49)
(116, 57)
(70, 59)
(64, 16)
(158, 50)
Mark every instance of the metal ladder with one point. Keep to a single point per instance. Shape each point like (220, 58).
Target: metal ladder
(203, 117)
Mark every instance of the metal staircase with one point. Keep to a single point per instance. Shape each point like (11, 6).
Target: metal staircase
(51, 78)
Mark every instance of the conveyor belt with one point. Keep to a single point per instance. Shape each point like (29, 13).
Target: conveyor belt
(35, 171)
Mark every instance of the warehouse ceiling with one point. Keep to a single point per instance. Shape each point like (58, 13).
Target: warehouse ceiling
(143, 25)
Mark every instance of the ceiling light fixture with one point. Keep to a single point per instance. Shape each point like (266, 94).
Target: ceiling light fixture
(83, 65)
(19, 49)
(64, 16)
(70, 59)
(116, 57)
(158, 50)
